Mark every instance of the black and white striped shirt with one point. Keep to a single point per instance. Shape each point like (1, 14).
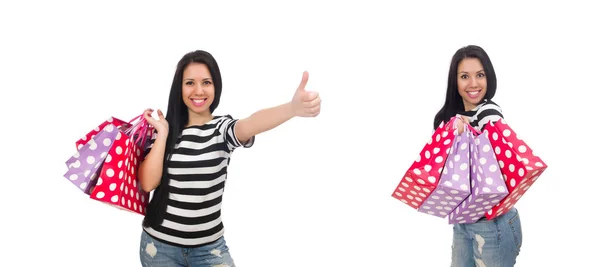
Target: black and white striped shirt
(197, 171)
(483, 113)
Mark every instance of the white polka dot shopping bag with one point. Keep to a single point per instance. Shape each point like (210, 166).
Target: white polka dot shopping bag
(92, 149)
(487, 186)
(454, 184)
(519, 165)
(116, 155)
(85, 165)
(423, 175)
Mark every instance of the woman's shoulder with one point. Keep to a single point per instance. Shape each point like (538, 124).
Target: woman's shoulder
(489, 105)
(489, 111)
(223, 120)
(220, 119)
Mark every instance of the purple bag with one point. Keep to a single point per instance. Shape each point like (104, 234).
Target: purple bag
(453, 186)
(487, 185)
(85, 164)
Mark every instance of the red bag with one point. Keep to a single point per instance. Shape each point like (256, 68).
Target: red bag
(520, 167)
(424, 174)
(117, 183)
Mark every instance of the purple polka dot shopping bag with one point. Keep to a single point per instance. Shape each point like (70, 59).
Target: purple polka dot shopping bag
(454, 184)
(85, 164)
(487, 185)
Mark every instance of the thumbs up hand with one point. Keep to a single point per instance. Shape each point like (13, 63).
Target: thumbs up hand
(303, 104)
(306, 103)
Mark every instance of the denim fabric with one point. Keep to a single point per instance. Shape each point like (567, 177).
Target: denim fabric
(489, 243)
(154, 253)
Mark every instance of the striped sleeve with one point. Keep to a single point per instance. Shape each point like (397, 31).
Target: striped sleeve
(488, 112)
(226, 129)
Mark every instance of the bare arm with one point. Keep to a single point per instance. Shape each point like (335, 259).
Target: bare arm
(262, 121)
(151, 168)
(303, 104)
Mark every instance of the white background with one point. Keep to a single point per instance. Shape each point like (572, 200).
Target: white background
(313, 192)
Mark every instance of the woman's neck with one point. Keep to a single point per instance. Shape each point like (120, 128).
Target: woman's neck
(470, 107)
(198, 119)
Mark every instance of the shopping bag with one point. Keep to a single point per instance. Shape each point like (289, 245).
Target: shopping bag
(520, 167)
(85, 164)
(90, 135)
(454, 184)
(423, 175)
(487, 186)
(117, 184)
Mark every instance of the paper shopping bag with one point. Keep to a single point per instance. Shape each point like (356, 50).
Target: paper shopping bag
(454, 185)
(487, 186)
(90, 135)
(423, 175)
(520, 167)
(117, 183)
(85, 164)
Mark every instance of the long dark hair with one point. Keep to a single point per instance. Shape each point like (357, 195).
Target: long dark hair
(177, 117)
(454, 104)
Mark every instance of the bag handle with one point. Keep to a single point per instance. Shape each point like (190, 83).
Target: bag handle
(451, 123)
(141, 127)
(466, 125)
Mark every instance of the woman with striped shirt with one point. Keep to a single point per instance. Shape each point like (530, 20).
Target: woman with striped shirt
(186, 164)
(471, 87)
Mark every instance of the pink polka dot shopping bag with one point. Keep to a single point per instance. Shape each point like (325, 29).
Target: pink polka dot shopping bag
(520, 167)
(106, 163)
(424, 174)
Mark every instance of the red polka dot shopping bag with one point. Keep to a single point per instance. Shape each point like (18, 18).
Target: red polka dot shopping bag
(486, 183)
(423, 175)
(105, 166)
(454, 184)
(117, 183)
(520, 167)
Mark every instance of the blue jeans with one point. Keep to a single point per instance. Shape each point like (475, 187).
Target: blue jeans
(154, 253)
(489, 243)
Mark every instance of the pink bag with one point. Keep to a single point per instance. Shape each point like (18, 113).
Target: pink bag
(117, 183)
(423, 175)
(519, 166)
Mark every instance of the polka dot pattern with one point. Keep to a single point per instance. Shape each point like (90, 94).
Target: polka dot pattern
(109, 125)
(521, 168)
(421, 179)
(120, 186)
(88, 160)
(487, 185)
(453, 186)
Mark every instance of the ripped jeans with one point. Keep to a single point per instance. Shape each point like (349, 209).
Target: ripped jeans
(154, 253)
(488, 243)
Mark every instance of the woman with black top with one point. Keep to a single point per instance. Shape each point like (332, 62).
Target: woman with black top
(471, 87)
